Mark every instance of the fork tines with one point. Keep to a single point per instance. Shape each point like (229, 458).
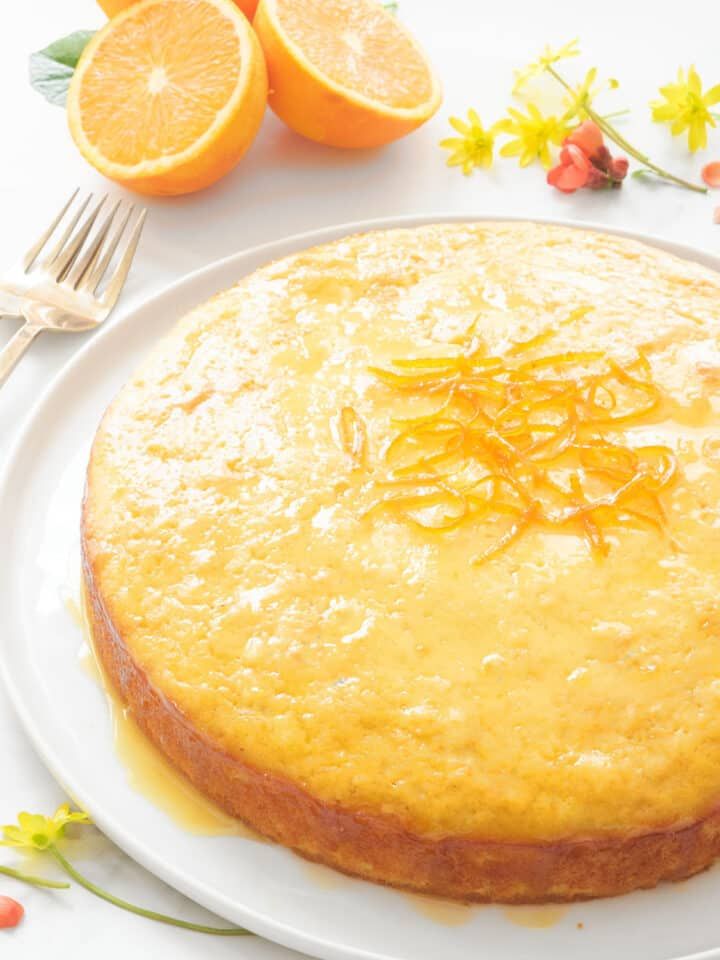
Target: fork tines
(86, 244)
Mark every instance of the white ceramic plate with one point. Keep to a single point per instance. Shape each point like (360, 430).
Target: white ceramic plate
(258, 885)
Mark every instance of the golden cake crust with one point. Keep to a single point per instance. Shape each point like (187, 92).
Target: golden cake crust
(358, 688)
(379, 848)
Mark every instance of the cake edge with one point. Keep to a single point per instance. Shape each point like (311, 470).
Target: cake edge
(379, 848)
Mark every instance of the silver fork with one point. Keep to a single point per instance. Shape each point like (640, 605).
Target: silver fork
(55, 285)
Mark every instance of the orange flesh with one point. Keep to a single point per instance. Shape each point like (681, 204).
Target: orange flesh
(528, 442)
(152, 90)
(361, 47)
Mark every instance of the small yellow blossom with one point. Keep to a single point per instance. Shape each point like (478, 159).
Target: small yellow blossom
(546, 59)
(474, 147)
(685, 107)
(36, 832)
(533, 134)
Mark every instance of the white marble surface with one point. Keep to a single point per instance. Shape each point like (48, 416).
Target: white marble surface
(283, 186)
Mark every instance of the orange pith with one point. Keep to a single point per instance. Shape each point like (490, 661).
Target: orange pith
(344, 72)
(169, 94)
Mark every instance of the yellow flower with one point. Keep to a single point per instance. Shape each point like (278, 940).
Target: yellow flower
(533, 134)
(36, 832)
(474, 147)
(685, 107)
(546, 59)
(581, 97)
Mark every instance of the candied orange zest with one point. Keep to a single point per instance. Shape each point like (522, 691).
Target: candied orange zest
(523, 521)
(408, 504)
(569, 358)
(353, 435)
(540, 338)
(535, 427)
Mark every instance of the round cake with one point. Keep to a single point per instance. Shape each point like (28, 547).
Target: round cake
(406, 551)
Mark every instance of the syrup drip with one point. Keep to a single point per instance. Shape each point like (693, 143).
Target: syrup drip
(148, 771)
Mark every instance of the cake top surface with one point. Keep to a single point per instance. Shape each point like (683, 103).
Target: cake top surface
(429, 522)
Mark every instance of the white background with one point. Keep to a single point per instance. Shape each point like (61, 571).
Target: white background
(283, 186)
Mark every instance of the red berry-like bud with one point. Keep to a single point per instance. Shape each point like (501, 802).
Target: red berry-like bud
(597, 179)
(602, 159)
(11, 912)
(618, 168)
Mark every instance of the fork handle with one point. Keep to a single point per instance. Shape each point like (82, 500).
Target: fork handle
(15, 348)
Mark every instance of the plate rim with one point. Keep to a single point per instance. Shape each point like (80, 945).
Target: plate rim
(276, 931)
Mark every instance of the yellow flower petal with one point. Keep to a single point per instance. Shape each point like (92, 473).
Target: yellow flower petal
(678, 126)
(693, 82)
(663, 112)
(697, 136)
(511, 149)
(535, 112)
(458, 125)
(712, 96)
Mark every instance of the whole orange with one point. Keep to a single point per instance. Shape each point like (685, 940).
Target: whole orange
(112, 7)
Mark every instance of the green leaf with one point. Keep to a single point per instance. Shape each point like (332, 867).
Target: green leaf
(52, 68)
(641, 173)
(391, 6)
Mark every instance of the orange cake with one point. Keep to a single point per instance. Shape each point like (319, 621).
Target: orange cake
(406, 550)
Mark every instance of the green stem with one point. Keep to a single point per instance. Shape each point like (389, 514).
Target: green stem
(616, 113)
(34, 881)
(141, 911)
(621, 142)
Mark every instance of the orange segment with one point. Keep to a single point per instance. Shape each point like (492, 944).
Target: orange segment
(344, 72)
(169, 95)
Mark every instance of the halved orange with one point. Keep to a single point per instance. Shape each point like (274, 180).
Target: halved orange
(169, 94)
(344, 72)
(113, 7)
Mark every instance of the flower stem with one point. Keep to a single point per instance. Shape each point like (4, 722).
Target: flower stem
(34, 881)
(617, 138)
(141, 911)
(616, 113)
